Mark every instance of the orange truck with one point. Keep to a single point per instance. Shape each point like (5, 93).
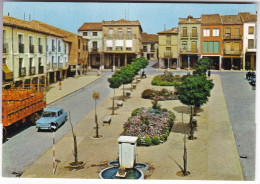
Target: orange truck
(22, 105)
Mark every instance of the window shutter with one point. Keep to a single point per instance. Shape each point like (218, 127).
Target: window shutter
(205, 47)
(211, 47)
(216, 47)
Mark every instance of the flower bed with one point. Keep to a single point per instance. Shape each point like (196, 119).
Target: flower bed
(150, 125)
(160, 95)
(166, 79)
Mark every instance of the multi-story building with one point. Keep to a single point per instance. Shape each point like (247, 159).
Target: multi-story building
(249, 40)
(232, 32)
(189, 41)
(63, 55)
(93, 31)
(122, 42)
(211, 39)
(168, 49)
(24, 52)
(150, 46)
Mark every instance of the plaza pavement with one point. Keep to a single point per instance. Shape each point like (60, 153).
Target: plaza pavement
(213, 156)
(69, 85)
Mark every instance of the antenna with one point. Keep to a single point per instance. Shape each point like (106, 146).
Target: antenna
(24, 16)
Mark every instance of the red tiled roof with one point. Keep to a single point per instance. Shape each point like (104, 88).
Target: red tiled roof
(149, 37)
(247, 17)
(210, 19)
(173, 30)
(91, 26)
(230, 19)
(189, 20)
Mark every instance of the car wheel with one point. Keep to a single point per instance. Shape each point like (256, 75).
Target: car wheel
(39, 129)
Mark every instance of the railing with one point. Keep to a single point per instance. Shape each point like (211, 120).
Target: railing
(32, 70)
(120, 35)
(184, 35)
(40, 48)
(41, 70)
(144, 50)
(119, 48)
(128, 48)
(188, 51)
(194, 35)
(21, 48)
(236, 37)
(54, 66)
(152, 50)
(232, 52)
(94, 49)
(5, 48)
(22, 72)
(109, 48)
(31, 49)
(48, 66)
(60, 65)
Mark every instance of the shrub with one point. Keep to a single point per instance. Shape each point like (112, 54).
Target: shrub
(134, 112)
(148, 141)
(139, 142)
(148, 93)
(162, 138)
(156, 140)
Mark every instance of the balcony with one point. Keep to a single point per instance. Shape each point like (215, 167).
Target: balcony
(184, 35)
(129, 48)
(41, 70)
(54, 66)
(21, 48)
(167, 54)
(232, 52)
(152, 50)
(145, 50)
(232, 37)
(31, 48)
(94, 49)
(119, 48)
(251, 49)
(32, 70)
(120, 36)
(109, 48)
(22, 72)
(194, 35)
(5, 48)
(60, 65)
(189, 51)
(40, 49)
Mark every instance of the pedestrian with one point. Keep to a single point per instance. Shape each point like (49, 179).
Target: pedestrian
(143, 74)
(209, 72)
(247, 74)
(60, 85)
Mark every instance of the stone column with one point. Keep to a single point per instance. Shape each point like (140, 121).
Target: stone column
(220, 62)
(232, 63)
(38, 84)
(188, 62)
(159, 62)
(114, 61)
(244, 61)
(55, 76)
(125, 59)
(118, 61)
(252, 62)
(168, 63)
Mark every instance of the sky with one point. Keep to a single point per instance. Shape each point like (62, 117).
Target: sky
(152, 16)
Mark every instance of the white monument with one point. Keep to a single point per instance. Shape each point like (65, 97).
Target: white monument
(127, 147)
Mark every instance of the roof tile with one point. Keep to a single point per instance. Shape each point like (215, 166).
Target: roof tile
(91, 26)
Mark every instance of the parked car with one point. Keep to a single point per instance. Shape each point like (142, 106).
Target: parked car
(52, 119)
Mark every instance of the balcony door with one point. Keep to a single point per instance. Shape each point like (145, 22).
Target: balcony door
(194, 32)
(194, 47)
(228, 46)
(94, 46)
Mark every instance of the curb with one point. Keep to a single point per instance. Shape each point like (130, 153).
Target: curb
(75, 90)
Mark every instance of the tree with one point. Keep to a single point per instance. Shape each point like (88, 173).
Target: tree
(136, 65)
(144, 62)
(194, 90)
(96, 96)
(114, 82)
(202, 66)
(127, 75)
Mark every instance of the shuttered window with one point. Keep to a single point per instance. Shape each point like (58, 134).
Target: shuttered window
(205, 47)
(250, 43)
(216, 46)
(193, 46)
(206, 32)
(184, 31)
(251, 30)
(168, 39)
(194, 32)
(211, 47)
(237, 31)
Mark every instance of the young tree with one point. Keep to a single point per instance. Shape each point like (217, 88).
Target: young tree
(114, 82)
(194, 90)
(96, 97)
(144, 62)
(127, 76)
(202, 66)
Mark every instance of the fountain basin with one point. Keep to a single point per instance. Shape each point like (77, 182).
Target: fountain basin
(138, 165)
(110, 173)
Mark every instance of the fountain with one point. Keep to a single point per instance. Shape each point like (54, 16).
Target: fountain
(125, 167)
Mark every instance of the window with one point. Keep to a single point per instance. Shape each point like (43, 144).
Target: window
(59, 48)
(65, 48)
(39, 45)
(120, 32)
(129, 31)
(194, 32)
(52, 46)
(250, 43)
(168, 39)
(228, 32)
(21, 45)
(78, 43)
(184, 45)
(94, 46)
(85, 33)
(237, 31)
(95, 34)
(215, 32)
(210, 47)
(184, 31)
(31, 46)
(251, 30)
(206, 32)
(111, 32)
(194, 47)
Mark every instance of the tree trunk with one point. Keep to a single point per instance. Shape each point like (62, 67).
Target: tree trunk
(123, 92)
(113, 106)
(75, 149)
(185, 157)
(191, 126)
(96, 119)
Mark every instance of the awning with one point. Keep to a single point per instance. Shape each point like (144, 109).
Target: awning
(8, 72)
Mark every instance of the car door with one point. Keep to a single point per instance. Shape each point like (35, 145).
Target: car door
(59, 118)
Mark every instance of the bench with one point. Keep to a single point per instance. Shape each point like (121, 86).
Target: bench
(107, 119)
(134, 86)
(138, 80)
(128, 93)
(119, 103)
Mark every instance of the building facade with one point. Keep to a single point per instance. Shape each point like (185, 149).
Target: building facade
(211, 39)
(249, 40)
(189, 41)
(168, 49)
(232, 36)
(150, 44)
(122, 42)
(93, 32)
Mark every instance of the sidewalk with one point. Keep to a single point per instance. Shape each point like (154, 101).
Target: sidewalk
(69, 85)
(213, 156)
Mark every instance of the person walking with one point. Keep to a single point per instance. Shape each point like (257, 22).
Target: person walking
(60, 85)
(247, 74)
(209, 73)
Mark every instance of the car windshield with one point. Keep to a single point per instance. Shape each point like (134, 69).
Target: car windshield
(49, 114)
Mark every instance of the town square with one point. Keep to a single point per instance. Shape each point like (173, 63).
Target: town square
(132, 95)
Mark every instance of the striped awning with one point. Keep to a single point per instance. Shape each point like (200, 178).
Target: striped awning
(8, 72)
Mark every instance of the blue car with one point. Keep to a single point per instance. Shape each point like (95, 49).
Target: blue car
(253, 80)
(51, 119)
